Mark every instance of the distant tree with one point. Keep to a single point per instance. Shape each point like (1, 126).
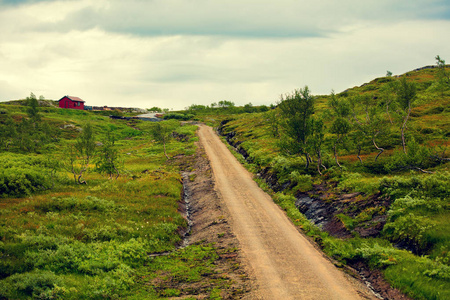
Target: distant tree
(263, 108)
(32, 109)
(108, 160)
(81, 153)
(316, 140)
(296, 110)
(226, 104)
(162, 134)
(388, 97)
(388, 73)
(406, 95)
(155, 109)
(442, 76)
(340, 126)
(197, 107)
(248, 108)
(371, 127)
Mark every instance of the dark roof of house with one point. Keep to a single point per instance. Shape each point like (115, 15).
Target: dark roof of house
(73, 98)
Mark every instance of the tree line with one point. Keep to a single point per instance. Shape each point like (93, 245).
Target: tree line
(354, 122)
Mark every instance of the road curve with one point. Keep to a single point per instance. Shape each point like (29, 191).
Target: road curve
(283, 262)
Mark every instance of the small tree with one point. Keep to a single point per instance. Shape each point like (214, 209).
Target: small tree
(388, 97)
(155, 109)
(81, 153)
(108, 160)
(248, 108)
(296, 110)
(406, 95)
(371, 127)
(340, 126)
(316, 140)
(442, 76)
(226, 104)
(32, 110)
(161, 134)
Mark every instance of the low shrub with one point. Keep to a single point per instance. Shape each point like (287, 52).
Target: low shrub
(433, 185)
(37, 284)
(176, 116)
(89, 203)
(357, 182)
(21, 175)
(410, 230)
(303, 181)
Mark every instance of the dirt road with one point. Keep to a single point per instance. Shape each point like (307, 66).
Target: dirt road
(283, 262)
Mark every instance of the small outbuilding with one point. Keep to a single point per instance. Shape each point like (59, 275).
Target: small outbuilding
(71, 102)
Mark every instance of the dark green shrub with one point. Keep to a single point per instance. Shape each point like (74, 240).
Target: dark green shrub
(22, 175)
(89, 203)
(176, 116)
(129, 133)
(36, 284)
(433, 185)
(410, 230)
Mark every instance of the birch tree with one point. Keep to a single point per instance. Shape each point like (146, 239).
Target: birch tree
(296, 110)
(406, 95)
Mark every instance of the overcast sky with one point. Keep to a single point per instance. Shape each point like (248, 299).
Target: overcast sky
(174, 53)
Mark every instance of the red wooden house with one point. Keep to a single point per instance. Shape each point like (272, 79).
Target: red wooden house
(71, 102)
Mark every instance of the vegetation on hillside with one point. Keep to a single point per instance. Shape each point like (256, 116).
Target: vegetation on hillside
(374, 159)
(85, 200)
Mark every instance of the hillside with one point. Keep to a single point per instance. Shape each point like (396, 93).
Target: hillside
(373, 206)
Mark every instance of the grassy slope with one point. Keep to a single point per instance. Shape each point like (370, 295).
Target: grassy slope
(417, 206)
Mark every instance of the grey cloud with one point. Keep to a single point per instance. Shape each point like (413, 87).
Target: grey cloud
(245, 19)
(257, 19)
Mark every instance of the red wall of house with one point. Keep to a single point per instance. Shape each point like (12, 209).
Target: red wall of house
(65, 102)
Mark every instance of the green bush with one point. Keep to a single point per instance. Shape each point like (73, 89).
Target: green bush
(66, 258)
(22, 175)
(303, 181)
(36, 284)
(176, 116)
(433, 185)
(129, 132)
(89, 203)
(410, 229)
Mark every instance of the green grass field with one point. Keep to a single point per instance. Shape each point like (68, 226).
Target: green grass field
(62, 240)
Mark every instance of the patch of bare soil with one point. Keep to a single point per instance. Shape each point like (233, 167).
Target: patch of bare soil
(210, 226)
(375, 280)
